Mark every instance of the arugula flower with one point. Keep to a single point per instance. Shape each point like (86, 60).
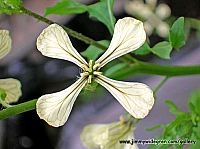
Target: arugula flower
(136, 98)
(11, 87)
(108, 136)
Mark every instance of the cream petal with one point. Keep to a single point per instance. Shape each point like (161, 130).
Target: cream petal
(107, 136)
(128, 35)
(93, 135)
(5, 43)
(54, 42)
(12, 87)
(136, 98)
(163, 11)
(55, 108)
(151, 3)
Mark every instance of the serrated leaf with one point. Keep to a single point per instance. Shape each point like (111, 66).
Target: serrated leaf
(102, 11)
(66, 7)
(92, 52)
(177, 34)
(162, 49)
(143, 50)
(172, 107)
(10, 6)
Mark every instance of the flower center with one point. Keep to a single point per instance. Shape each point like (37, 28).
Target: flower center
(90, 71)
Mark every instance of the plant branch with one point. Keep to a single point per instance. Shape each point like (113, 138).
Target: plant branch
(156, 69)
(17, 109)
(160, 84)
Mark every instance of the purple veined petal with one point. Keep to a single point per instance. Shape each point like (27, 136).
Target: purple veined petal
(129, 35)
(136, 98)
(54, 42)
(55, 108)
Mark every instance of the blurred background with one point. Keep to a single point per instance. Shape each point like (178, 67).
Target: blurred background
(40, 75)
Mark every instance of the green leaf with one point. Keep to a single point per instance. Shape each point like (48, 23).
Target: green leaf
(115, 68)
(177, 34)
(176, 127)
(92, 52)
(66, 7)
(103, 11)
(143, 50)
(162, 49)
(194, 102)
(10, 6)
(173, 108)
(196, 131)
(184, 130)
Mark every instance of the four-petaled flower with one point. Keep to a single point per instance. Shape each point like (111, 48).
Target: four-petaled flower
(136, 98)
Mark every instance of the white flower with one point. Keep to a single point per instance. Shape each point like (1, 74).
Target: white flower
(5, 43)
(108, 136)
(152, 14)
(10, 86)
(136, 98)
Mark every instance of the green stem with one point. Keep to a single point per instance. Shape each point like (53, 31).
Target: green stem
(17, 109)
(161, 83)
(156, 69)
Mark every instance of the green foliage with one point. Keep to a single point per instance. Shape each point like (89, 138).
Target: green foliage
(194, 102)
(177, 34)
(172, 107)
(186, 125)
(143, 50)
(102, 11)
(10, 6)
(66, 7)
(162, 49)
(92, 52)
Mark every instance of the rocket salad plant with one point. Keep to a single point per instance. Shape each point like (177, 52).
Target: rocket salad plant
(128, 39)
